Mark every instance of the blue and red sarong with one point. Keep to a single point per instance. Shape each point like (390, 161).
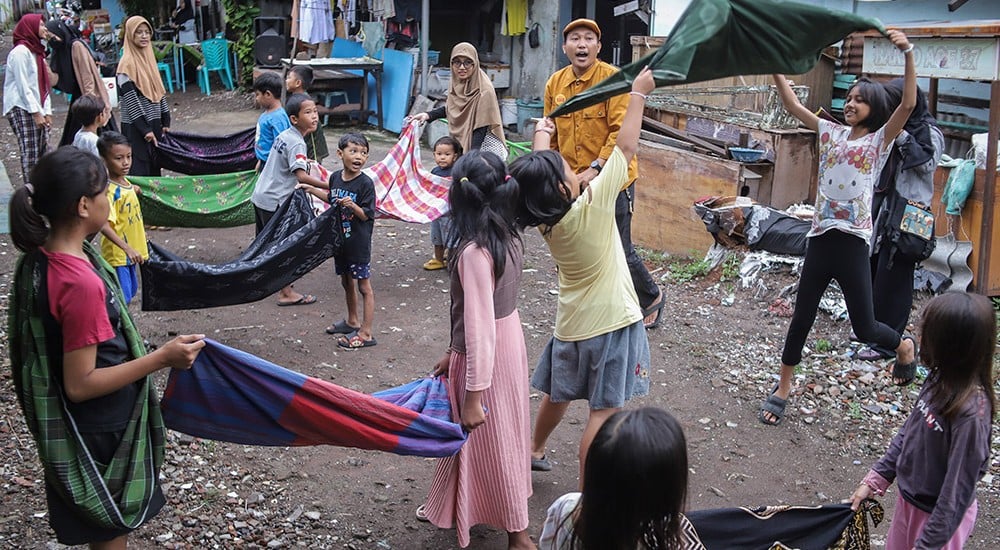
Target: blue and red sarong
(231, 395)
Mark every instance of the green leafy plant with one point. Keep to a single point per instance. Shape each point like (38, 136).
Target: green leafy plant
(823, 346)
(650, 255)
(854, 410)
(689, 270)
(731, 267)
(239, 22)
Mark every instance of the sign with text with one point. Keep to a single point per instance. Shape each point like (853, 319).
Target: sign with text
(961, 58)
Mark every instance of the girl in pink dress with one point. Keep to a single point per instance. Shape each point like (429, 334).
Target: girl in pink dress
(489, 479)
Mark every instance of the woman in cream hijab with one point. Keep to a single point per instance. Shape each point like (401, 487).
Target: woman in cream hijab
(471, 107)
(141, 97)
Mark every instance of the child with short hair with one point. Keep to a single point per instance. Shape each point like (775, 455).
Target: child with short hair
(447, 150)
(639, 457)
(286, 167)
(124, 238)
(91, 112)
(354, 192)
(943, 449)
(274, 119)
(80, 369)
(298, 81)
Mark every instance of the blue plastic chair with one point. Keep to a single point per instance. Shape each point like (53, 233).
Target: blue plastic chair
(216, 58)
(167, 75)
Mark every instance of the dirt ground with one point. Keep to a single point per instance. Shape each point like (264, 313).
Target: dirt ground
(713, 361)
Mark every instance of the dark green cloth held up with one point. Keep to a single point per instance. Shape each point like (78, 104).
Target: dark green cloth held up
(119, 495)
(720, 38)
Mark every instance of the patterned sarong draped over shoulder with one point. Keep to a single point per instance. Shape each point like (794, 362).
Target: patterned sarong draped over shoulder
(404, 190)
(197, 154)
(230, 395)
(293, 243)
(113, 497)
(219, 200)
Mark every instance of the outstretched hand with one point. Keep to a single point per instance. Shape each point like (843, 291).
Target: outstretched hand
(644, 82)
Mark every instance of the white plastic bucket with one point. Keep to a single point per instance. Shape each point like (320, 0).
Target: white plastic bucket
(508, 111)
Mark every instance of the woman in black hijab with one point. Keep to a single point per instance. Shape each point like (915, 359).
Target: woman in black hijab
(78, 73)
(908, 178)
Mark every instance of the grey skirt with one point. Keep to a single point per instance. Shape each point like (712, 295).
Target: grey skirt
(606, 370)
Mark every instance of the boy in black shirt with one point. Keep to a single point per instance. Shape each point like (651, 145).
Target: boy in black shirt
(354, 192)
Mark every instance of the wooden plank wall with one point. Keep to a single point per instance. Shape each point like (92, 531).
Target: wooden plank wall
(968, 227)
(669, 182)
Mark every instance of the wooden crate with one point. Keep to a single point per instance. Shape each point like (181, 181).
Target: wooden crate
(670, 181)
(793, 177)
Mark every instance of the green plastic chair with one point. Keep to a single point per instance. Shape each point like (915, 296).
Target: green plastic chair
(216, 58)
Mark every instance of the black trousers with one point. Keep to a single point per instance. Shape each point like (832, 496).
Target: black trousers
(645, 286)
(836, 255)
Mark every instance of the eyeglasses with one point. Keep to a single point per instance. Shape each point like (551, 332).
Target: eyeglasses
(468, 64)
(143, 32)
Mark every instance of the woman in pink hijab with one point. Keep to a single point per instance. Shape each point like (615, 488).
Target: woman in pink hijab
(26, 101)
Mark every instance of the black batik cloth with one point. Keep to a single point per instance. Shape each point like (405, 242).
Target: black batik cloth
(293, 243)
(198, 155)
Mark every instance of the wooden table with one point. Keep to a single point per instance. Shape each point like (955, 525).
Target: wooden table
(366, 64)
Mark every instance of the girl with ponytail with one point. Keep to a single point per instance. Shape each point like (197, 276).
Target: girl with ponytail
(488, 480)
(79, 365)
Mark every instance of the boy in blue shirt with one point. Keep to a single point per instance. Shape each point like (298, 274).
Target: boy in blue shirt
(274, 119)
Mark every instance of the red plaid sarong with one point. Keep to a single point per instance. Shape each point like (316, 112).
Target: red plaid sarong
(404, 190)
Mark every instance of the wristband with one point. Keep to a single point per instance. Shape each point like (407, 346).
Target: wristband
(908, 50)
(643, 96)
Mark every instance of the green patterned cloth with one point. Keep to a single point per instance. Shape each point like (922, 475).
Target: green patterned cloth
(221, 200)
(115, 497)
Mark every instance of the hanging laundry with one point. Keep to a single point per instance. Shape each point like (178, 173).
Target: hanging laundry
(515, 17)
(382, 9)
(315, 21)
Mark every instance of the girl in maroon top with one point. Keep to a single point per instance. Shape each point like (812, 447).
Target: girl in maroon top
(100, 376)
(943, 449)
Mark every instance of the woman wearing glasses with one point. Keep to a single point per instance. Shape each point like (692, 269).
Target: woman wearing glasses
(471, 107)
(141, 96)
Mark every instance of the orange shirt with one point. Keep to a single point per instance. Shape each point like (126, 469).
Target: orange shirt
(590, 133)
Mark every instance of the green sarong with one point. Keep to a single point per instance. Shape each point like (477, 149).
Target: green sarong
(221, 200)
(115, 497)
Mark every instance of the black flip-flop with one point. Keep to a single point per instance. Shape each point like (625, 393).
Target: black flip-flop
(654, 308)
(341, 327)
(304, 300)
(774, 405)
(905, 372)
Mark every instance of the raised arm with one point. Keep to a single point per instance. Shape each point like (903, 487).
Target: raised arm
(899, 117)
(628, 136)
(792, 104)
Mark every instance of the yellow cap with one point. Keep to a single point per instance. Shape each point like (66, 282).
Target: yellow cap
(588, 23)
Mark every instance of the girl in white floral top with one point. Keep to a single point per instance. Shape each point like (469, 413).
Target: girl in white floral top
(850, 160)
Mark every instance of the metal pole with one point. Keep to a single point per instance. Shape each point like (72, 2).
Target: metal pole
(425, 38)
